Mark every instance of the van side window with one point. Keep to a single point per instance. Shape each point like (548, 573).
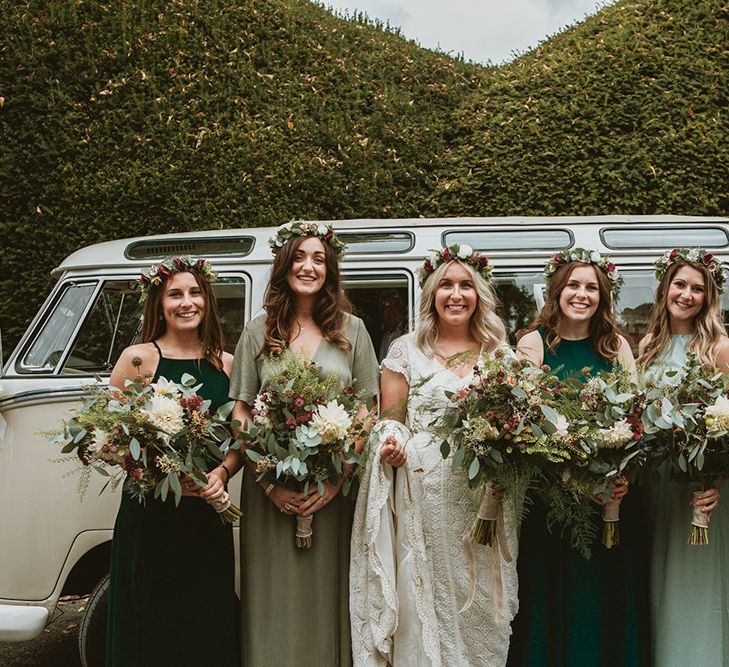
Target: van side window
(383, 303)
(48, 347)
(230, 294)
(111, 325)
(521, 296)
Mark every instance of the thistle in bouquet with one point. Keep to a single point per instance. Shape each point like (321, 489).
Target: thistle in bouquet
(304, 432)
(504, 429)
(609, 428)
(686, 424)
(148, 436)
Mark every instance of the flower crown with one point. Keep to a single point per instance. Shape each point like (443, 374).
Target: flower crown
(584, 256)
(321, 230)
(461, 252)
(697, 256)
(159, 273)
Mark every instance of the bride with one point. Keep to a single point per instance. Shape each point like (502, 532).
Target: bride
(411, 573)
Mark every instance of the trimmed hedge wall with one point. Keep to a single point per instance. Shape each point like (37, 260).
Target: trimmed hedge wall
(122, 118)
(624, 113)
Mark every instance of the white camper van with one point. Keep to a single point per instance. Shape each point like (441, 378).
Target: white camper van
(53, 544)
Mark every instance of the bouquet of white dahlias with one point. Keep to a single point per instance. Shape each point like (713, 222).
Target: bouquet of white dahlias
(304, 432)
(148, 436)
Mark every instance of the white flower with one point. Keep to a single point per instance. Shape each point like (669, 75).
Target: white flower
(594, 256)
(562, 425)
(100, 439)
(262, 421)
(321, 230)
(693, 255)
(165, 413)
(332, 422)
(165, 387)
(464, 251)
(617, 436)
(720, 414)
(433, 258)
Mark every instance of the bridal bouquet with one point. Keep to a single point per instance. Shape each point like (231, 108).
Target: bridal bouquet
(149, 436)
(304, 432)
(505, 428)
(686, 423)
(608, 422)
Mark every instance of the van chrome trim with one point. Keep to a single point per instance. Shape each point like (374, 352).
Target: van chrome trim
(36, 396)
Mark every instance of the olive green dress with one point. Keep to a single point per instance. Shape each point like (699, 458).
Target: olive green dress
(172, 580)
(294, 602)
(574, 612)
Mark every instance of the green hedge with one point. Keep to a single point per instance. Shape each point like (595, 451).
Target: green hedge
(123, 118)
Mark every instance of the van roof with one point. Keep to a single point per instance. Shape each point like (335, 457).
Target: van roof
(115, 253)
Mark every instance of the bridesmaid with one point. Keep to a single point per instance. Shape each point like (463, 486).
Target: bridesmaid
(295, 607)
(689, 599)
(574, 612)
(172, 568)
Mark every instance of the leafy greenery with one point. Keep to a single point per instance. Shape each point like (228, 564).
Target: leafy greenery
(124, 118)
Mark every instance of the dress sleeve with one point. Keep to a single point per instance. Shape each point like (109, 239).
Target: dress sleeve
(397, 359)
(365, 370)
(244, 377)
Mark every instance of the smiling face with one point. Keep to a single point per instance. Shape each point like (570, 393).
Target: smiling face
(686, 295)
(456, 296)
(580, 296)
(183, 302)
(308, 269)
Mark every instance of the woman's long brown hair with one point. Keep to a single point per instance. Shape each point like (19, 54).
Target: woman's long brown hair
(603, 334)
(209, 331)
(331, 306)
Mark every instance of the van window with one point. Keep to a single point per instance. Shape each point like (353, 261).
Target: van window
(47, 350)
(383, 302)
(521, 296)
(111, 325)
(364, 243)
(663, 238)
(115, 323)
(238, 246)
(517, 239)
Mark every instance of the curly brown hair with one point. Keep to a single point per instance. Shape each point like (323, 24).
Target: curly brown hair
(328, 313)
(603, 333)
(209, 331)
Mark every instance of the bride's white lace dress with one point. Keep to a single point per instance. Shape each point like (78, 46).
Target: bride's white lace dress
(411, 571)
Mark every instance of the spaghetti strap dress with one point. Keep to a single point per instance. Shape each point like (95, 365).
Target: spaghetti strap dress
(689, 586)
(574, 612)
(172, 579)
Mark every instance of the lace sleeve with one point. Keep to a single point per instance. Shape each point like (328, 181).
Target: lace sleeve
(397, 359)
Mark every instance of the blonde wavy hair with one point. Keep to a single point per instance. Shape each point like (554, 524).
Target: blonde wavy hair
(486, 326)
(708, 324)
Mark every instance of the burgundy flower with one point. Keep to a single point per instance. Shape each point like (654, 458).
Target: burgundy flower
(673, 255)
(291, 423)
(447, 255)
(707, 258)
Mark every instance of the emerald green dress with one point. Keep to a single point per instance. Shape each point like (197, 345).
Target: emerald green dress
(574, 612)
(172, 579)
(294, 602)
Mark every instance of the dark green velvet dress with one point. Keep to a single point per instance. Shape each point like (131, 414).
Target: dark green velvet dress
(574, 612)
(172, 589)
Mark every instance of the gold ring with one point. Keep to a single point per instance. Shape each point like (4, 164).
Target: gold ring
(287, 506)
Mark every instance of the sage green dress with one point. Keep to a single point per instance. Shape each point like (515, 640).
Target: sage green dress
(294, 602)
(172, 580)
(689, 585)
(574, 612)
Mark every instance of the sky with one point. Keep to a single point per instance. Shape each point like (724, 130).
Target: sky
(481, 30)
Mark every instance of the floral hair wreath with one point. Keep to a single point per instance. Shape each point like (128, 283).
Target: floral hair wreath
(295, 228)
(461, 252)
(159, 273)
(585, 256)
(697, 256)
